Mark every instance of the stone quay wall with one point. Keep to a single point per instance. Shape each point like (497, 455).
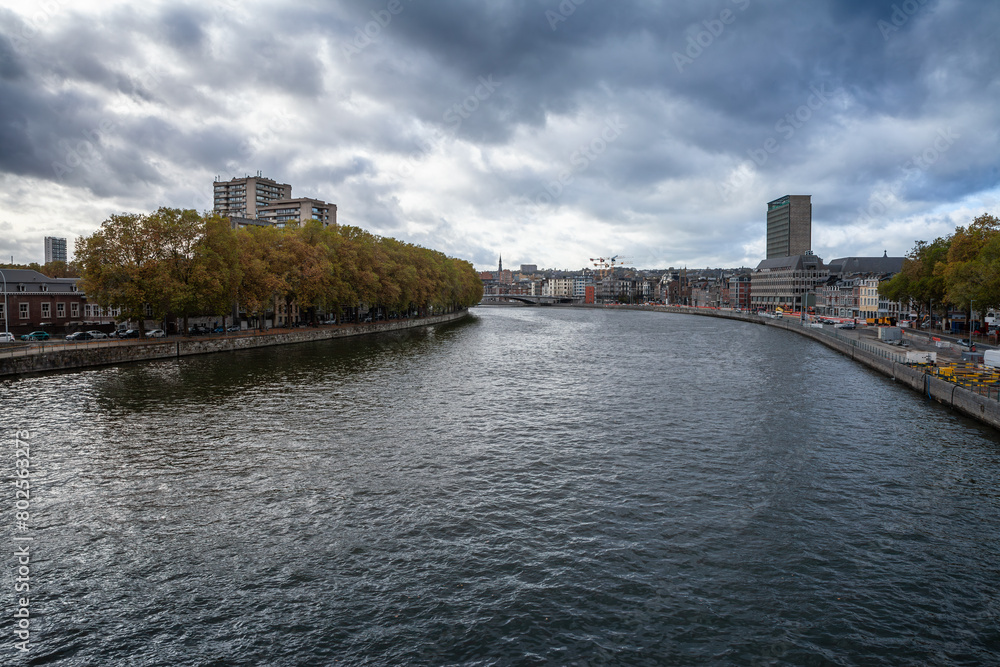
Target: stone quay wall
(63, 356)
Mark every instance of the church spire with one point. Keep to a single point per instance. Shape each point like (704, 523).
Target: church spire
(500, 267)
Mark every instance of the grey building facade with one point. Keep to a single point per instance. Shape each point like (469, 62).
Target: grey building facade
(789, 226)
(55, 249)
(786, 282)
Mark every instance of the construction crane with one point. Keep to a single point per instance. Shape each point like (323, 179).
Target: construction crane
(606, 265)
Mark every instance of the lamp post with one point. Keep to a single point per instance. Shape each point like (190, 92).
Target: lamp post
(970, 323)
(5, 329)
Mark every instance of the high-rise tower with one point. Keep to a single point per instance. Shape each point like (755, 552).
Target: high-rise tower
(789, 226)
(55, 249)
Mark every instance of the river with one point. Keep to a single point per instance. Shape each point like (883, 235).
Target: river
(531, 486)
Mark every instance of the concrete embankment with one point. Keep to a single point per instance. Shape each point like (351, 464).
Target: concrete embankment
(68, 356)
(969, 403)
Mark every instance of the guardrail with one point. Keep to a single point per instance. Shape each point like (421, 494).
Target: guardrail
(877, 350)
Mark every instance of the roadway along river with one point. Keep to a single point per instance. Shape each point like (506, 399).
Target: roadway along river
(532, 486)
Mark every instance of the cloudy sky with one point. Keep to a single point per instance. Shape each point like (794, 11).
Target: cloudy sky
(550, 131)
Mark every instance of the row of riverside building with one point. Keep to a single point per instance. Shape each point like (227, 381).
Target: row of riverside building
(790, 278)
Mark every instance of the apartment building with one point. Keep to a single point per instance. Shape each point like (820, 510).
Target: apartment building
(739, 292)
(244, 197)
(284, 212)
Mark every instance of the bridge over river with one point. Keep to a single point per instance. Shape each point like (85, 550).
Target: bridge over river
(527, 299)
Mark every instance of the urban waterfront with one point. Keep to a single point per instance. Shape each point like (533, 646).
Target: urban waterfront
(531, 486)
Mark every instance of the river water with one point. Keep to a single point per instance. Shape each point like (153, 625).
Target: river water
(531, 486)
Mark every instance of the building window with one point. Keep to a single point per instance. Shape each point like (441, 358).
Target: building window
(24, 311)
(46, 311)
(74, 309)
(60, 310)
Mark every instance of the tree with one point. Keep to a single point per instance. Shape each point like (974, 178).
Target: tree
(920, 280)
(217, 269)
(120, 265)
(969, 272)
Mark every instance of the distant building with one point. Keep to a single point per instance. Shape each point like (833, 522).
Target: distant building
(857, 266)
(852, 288)
(786, 282)
(675, 289)
(33, 300)
(529, 268)
(55, 249)
(558, 287)
(242, 197)
(739, 292)
(789, 226)
(298, 211)
(260, 201)
(581, 283)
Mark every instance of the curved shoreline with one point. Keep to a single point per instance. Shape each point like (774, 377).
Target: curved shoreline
(68, 357)
(969, 403)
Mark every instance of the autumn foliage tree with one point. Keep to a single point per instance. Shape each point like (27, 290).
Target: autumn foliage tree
(178, 263)
(958, 270)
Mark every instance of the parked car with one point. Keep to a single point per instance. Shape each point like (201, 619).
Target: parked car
(80, 335)
(35, 335)
(156, 333)
(97, 335)
(844, 325)
(198, 330)
(234, 328)
(6, 337)
(217, 330)
(129, 333)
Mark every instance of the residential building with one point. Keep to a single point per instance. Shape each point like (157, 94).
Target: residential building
(282, 212)
(868, 297)
(675, 290)
(55, 249)
(558, 287)
(580, 284)
(739, 292)
(789, 226)
(242, 197)
(852, 289)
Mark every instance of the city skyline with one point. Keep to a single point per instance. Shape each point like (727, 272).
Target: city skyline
(548, 131)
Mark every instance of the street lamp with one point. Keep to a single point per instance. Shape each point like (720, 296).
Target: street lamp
(970, 322)
(5, 329)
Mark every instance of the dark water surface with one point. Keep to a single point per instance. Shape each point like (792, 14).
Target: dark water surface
(534, 486)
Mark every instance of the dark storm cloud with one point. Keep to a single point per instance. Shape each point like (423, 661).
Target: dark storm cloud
(724, 105)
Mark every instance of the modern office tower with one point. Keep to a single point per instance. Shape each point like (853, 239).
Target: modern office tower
(243, 197)
(789, 226)
(55, 249)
